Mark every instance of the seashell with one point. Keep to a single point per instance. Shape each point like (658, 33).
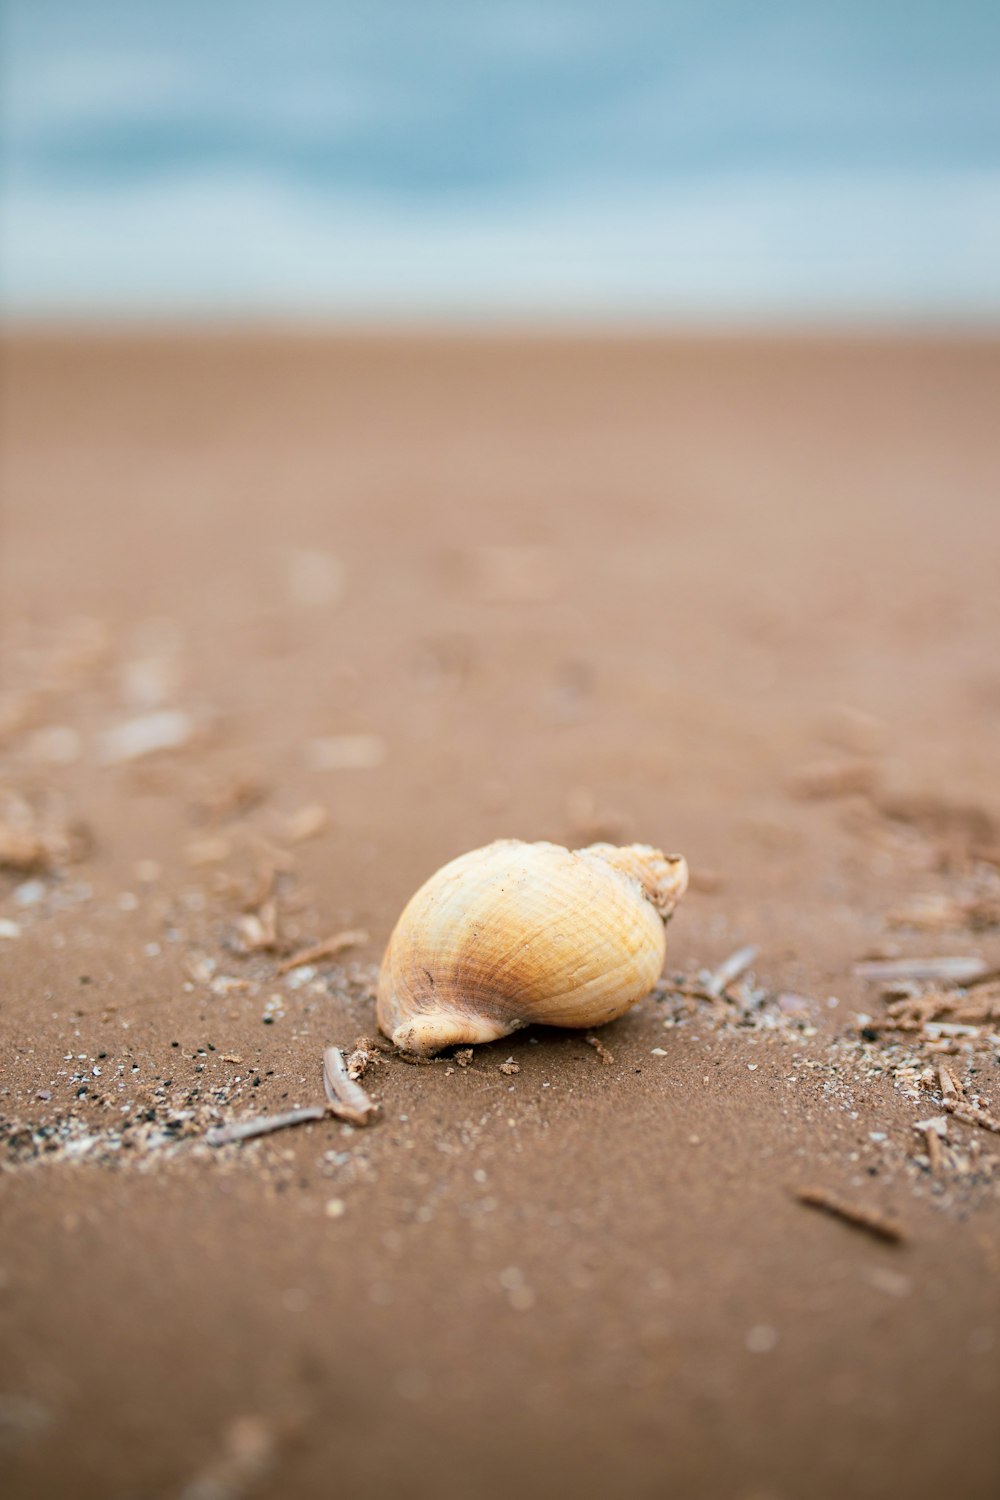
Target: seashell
(517, 933)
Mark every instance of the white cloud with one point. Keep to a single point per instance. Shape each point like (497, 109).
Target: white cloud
(746, 247)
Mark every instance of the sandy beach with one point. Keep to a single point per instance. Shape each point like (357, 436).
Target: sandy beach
(288, 621)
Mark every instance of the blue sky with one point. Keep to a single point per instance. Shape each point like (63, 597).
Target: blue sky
(366, 160)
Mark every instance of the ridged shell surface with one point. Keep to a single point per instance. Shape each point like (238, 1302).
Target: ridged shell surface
(516, 933)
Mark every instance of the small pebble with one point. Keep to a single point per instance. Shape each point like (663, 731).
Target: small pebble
(166, 729)
(29, 893)
(761, 1339)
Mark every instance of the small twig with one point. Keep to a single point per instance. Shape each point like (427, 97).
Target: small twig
(953, 970)
(934, 1151)
(329, 948)
(267, 879)
(599, 1047)
(347, 1099)
(861, 1218)
(950, 1087)
(972, 1114)
(245, 1130)
(687, 989)
(728, 972)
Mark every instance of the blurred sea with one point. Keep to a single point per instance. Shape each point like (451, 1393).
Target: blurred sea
(710, 160)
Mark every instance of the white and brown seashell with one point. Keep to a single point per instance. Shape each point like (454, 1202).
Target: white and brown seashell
(518, 933)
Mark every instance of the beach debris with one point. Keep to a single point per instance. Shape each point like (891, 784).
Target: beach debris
(257, 927)
(734, 967)
(231, 797)
(870, 1220)
(306, 822)
(367, 1053)
(886, 1280)
(485, 946)
(258, 930)
(347, 1099)
(9, 929)
(208, 851)
(568, 697)
(148, 681)
(602, 1052)
(934, 1132)
(761, 1339)
(246, 1130)
(345, 752)
(957, 1012)
(163, 729)
(509, 1068)
(972, 1114)
(31, 843)
(947, 969)
(329, 948)
(23, 850)
(265, 885)
(214, 1087)
(246, 1456)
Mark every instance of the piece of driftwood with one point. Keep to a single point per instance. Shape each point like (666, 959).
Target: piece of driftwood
(860, 1218)
(245, 1130)
(945, 969)
(971, 1114)
(329, 948)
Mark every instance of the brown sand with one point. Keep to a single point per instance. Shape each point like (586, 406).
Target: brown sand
(735, 598)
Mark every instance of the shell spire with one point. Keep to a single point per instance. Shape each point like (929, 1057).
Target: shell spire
(663, 877)
(518, 933)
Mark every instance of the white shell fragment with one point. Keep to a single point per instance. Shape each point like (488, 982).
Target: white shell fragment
(517, 933)
(166, 729)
